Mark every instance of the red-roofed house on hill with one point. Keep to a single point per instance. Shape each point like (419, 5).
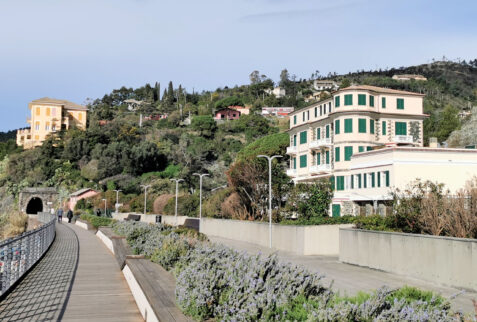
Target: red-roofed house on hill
(227, 113)
(242, 109)
(80, 194)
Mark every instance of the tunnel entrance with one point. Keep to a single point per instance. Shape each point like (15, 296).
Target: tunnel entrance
(35, 205)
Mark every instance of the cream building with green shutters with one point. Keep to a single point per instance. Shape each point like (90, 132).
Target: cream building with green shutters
(341, 138)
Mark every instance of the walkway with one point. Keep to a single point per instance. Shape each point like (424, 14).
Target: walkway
(77, 280)
(349, 279)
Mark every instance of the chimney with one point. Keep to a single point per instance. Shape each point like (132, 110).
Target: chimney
(433, 143)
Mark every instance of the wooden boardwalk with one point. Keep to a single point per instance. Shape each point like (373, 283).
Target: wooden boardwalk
(77, 280)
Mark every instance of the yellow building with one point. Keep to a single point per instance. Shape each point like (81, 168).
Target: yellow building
(49, 115)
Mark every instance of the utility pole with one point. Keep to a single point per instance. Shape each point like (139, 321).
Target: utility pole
(270, 159)
(200, 175)
(117, 200)
(177, 192)
(145, 196)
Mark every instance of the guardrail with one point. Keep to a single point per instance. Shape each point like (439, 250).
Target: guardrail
(19, 254)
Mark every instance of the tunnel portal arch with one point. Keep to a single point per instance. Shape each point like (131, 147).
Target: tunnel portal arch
(34, 206)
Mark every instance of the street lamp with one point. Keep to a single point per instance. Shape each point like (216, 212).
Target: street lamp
(117, 200)
(145, 196)
(177, 192)
(270, 159)
(104, 207)
(221, 187)
(200, 175)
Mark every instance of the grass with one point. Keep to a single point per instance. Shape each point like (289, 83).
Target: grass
(13, 225)
(97, 221)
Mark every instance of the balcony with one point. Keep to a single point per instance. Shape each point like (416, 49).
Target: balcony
(403, 139)
(319, 169)
(291, 172)
(292, 150)
(318, 144)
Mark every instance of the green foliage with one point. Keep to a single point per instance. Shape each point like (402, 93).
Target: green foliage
(320, 221)
(212, 206)
(411, 294)
(187, 205)
(229, 101)
(172, 249)
(205, 124)
(8, 147)
(373, 222)
(310, 200)
(448, 122)
(273, 144)
(97, 221)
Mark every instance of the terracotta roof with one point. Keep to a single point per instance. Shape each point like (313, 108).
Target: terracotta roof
(80, 192)
(378, 90)
(53, 101)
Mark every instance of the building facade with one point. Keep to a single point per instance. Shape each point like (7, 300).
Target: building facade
(227, 114)
(49, 115)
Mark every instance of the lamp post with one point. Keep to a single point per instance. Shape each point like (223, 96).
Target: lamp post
(145, 196)
(117, 200)
(200, 175)
(105, 207)
(270, 159)
(221, 187)
(177, 192)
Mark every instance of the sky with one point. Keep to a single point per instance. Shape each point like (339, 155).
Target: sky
(79, 49)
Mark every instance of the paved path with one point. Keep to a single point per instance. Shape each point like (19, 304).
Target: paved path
(349, 279)
(77, 280)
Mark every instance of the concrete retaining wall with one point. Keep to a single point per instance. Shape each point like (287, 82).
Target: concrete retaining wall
(302, 240)
(443, 260)
(168, 220)
(81, 224)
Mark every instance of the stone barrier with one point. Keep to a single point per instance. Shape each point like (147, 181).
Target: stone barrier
(442, 260)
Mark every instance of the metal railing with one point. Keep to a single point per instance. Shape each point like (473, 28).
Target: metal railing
(19, 254)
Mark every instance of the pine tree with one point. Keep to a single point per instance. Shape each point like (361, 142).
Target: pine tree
(157, 92)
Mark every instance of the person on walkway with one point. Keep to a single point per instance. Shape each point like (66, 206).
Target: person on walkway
(59, 213)
(98, 212)
(69, 214)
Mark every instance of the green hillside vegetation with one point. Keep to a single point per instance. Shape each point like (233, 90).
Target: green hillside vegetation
(114, 152)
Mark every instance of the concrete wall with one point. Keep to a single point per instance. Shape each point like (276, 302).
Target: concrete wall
(303, 240)
(168, 220)
(442, 260)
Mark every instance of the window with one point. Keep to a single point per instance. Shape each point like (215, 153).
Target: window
(294, 119)
(369, 148)
(47, 126)
(53, 111)
(79, 116)
(348, 99)
(303, 161)
(361, 149)
(400, 103)
(303, 137)
(303, 117)
(348, 125)
(337, 154)
(48, 111)
(327, 157)
(53, 127)
(372, 175)
(37, 126)
(308, 115)
(329, 107)
(348, 152)
(383, 102)
(361, 99)
(362, 125)
(359, 181)
(324, 109)
(339, 182)
(327, 131)
(37, 111)
(318, 133)
(318, 158)
(352, 181)
(378, 174)
(294, 163)
(37, 137)
(316, 111)
(337, 126)
(337, 101)
(371, 100)
(383, 127)
(371, 126)
(401, 128)
(365, 179)
(386, 174)
(294, 140)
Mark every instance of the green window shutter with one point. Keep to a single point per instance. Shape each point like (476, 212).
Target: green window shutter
(348, 152)
(365, 177)
(336, 210)
(294, 163)
(378, 174)
(371, 100)
(371, 126)
(340, 183)
(348, 125)
(361, 99)
(318, 133)
(327, 157)
(361, 149)
(352, 181)
(362, 125)
(383, 102)
(348, 99)
(337, 101)
(327, 131)
(294, 140)
(318, 158)
(337, 154)
(387, 178)
(303, 161)
(372, 180)
(383, 127)
(369, 148)
(332, 181)
(400, 128)
(400, 103)
(359, 181)
(316, 111)
(294, 119)
(303, 137)
(337, 126)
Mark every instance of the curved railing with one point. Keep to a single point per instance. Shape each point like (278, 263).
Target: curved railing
(19, 254)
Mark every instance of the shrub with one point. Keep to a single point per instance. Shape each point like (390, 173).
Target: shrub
(310, 200)
(14, 224)
(187, 205)
(97, 221)
(173, 247)
(321, 221)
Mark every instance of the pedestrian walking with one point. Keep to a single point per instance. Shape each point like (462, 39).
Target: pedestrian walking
(98, 212)
(59, 213)
(69, 214)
